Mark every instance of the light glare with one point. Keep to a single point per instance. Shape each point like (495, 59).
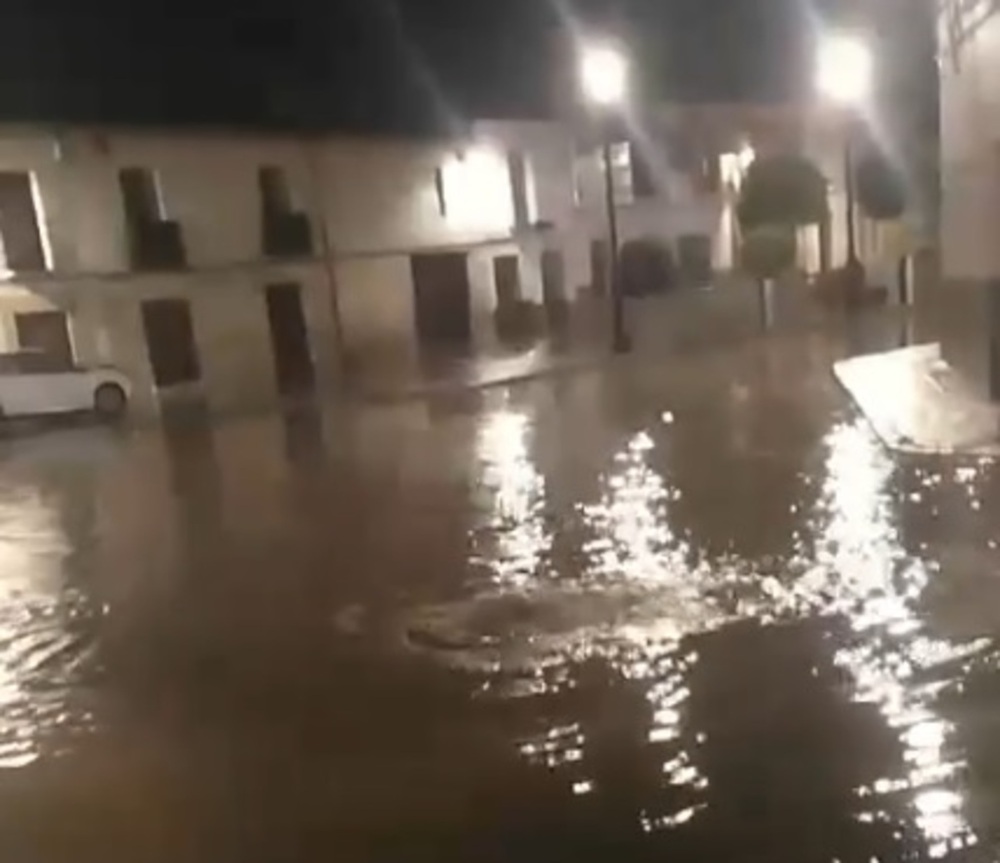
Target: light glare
(844, 73)
(604, 74)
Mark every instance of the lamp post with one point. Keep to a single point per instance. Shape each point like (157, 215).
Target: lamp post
(604, 81)
(844, 76)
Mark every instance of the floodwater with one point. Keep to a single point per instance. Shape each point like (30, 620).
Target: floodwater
(686, 610)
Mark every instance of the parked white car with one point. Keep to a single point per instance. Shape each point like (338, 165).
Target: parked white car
(34, 383)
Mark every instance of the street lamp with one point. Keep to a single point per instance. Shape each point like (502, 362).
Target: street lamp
(604, 81)
(844, 75)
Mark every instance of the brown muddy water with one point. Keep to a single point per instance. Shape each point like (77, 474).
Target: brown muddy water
(690, 610)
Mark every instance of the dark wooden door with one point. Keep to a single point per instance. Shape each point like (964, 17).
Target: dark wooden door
(47, 332)
(507, 278)
(170, 341)
(695, 253)
(293, 363)
(441, 299)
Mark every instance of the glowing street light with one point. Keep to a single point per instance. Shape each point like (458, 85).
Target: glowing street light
(603, 75)
(604, 82)
(844, 73)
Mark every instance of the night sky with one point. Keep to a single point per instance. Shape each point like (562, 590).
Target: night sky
(382, 65)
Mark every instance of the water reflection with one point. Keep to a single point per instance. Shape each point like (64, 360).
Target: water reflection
(516, 540)
(718, 711)
(892, 661)
(45, 629)
(631, 523)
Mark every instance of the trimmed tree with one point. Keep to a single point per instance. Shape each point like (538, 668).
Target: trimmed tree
(880, 187)
(783, 191)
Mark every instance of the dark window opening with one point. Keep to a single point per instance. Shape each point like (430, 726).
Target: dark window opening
(141, 195)
(22, 240)
(643, 184)
(46, 333)
(155, 243)
(274, 192)
(285, 232)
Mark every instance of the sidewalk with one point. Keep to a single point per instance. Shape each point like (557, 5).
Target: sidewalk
(685, 321)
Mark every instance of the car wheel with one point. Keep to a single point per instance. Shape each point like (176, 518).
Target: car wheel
(110, 401)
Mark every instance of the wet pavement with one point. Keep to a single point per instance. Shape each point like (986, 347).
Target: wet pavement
(687, 609)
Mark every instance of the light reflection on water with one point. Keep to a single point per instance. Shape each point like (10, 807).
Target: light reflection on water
(871, 580)
(852, 567)
(42, 632)
(518, 500)
(631, 524)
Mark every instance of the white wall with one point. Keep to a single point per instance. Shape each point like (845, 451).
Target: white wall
(970, 169)
(381, 196)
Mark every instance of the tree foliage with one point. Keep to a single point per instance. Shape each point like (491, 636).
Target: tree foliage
(782, 190)
(768, 251)
(880, 187)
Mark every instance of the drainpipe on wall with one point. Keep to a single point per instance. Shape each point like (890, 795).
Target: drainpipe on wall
(315, 166)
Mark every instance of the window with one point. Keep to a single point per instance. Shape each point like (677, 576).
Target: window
(275, 195)
(621, 172)
(643, 183)
(579, 179)
(45, 332)
(710, 179)
(141, 195)
(439, 190)
(474, 191)
(154, 242)
(19, 232)
(522, 184)
(285, 232)
(589, 188)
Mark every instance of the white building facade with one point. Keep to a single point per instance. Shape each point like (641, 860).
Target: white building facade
(235, 267)
(966, 306)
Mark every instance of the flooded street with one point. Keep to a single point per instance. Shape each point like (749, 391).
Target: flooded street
(689, 609)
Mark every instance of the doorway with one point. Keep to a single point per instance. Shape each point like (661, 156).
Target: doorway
(170, 342)
(507, 281)
(46, 332)
(600, 267)
(554, 288)
(293, 363)
(507, 278)
(441, 299)
(553, 278)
